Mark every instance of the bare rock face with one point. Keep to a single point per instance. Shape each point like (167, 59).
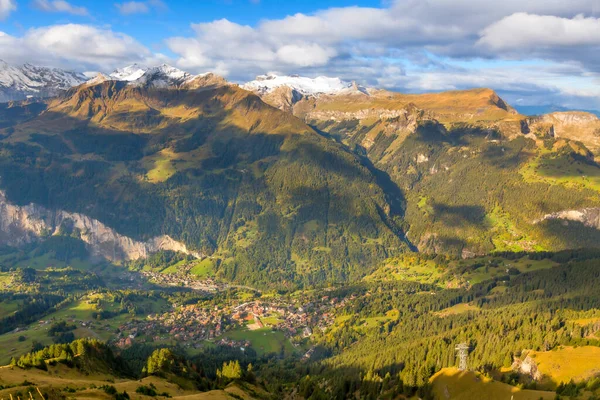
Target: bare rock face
(206, 81)
(20, 225)
(528, 367)
(574, 125)
(589, 217)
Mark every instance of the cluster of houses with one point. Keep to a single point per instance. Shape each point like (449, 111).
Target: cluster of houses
(189, 325)
(184, 280)
(185, 324)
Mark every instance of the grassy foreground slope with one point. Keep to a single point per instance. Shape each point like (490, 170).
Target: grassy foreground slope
(568, 363)
(61, 381)
(450, 383)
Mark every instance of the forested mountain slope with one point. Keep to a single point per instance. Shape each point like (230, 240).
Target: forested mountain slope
(477, 176)
(211, 165)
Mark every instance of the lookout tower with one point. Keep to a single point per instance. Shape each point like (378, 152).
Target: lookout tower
(462, 350)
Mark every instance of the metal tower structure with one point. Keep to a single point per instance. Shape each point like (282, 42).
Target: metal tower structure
(463, 352)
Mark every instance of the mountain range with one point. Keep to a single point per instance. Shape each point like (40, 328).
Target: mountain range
(21, 82)
(288, 181)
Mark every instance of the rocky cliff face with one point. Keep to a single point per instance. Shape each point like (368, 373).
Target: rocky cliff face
(589, 217)
(20, 225)
(580, 126)
(527, 367)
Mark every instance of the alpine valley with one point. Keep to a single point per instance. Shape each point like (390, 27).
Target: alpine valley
(179, 235)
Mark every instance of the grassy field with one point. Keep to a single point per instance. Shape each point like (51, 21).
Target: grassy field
(407, 268)
(81, 310)
(204, 268)
(568, 363)
(86, 386)
(450, 383)
(12, 347)
(472, 271)
(457, 309)
(271, 320)
(561, 171)
(264, 341)
(507, 236)
(175, 268)
(8, 307)
(164, 164)
(586, 321)
(373, 322)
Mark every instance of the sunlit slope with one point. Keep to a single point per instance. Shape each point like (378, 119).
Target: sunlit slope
(61, 381)
(450, 383)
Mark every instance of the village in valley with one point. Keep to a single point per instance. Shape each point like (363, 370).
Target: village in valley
(190, 313)
(173, 308)
(193, 326)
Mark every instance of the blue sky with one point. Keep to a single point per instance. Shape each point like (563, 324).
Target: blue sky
(173, 18)
(535, 52)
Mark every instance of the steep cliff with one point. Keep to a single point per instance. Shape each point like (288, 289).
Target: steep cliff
(20, 225)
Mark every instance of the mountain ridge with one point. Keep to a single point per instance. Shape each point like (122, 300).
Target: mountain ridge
(214, 167)
(282, 189)
(21, 82)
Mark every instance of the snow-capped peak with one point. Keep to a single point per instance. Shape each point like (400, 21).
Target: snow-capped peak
(21, 82)
(306, 86)
(130, 73)
(163, 76)
(99, 78)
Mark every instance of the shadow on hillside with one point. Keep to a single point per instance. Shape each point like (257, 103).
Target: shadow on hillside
(566, 166)
(14, 113)
(501, 157)
(458, 215)
(457, 135)
(435, 133)
(237, 173)
(567, 234)
(393, 193)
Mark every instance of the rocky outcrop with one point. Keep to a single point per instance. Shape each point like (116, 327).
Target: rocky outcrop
(527, 367)
(20, 225)
(589, 217)
(573, 125)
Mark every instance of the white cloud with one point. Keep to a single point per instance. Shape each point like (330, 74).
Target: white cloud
(140, 7)
(73, 46)
(305, 55)
(414, 31)
(6, 7)
(410, 45)
(132, 7)
(60, 6)
(526, 32)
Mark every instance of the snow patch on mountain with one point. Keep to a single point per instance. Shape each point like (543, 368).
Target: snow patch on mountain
(162, 76)
(21, 82)
(130, 73)
(303, 85)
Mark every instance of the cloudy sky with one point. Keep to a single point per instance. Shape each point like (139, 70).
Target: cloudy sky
(533, 52)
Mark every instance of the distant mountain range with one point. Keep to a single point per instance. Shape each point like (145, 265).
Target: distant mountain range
(549, 108)
(290, 181)
(19, 83)
(28, 81)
